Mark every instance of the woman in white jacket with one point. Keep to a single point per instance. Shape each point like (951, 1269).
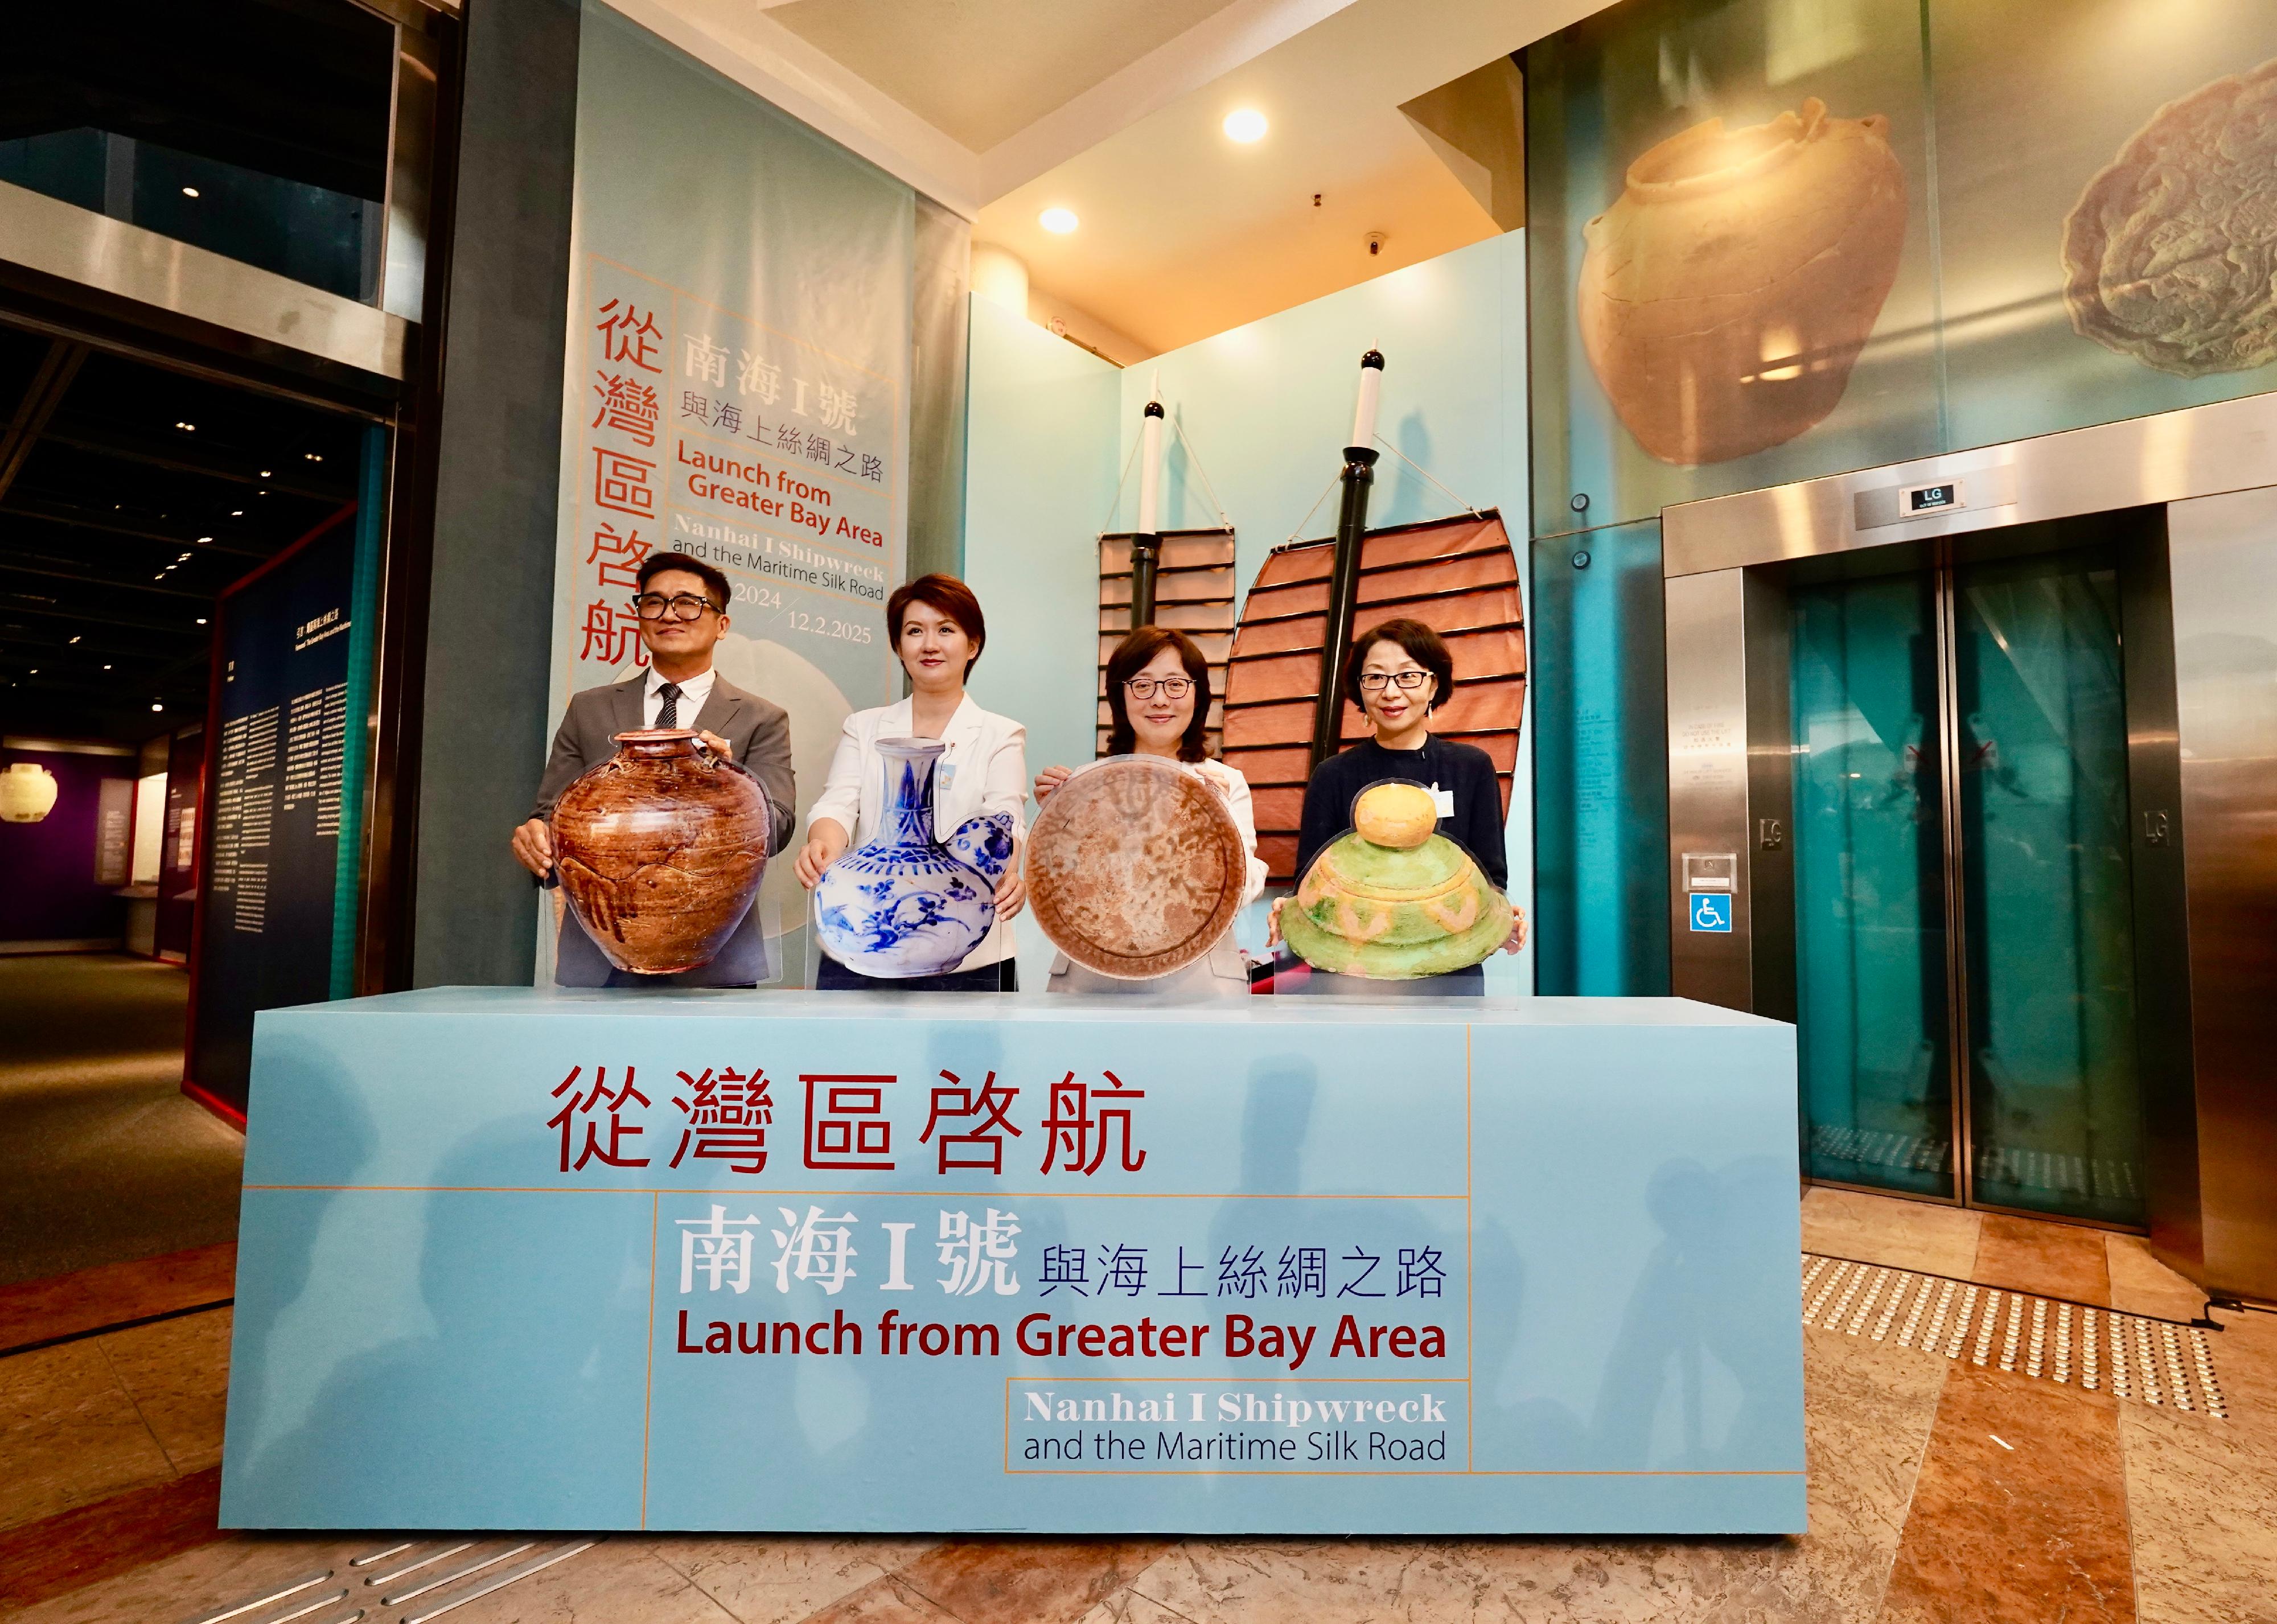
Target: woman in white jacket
(1157, 700)
(939, 632)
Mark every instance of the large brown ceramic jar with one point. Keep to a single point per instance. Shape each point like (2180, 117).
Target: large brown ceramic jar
(660, 849)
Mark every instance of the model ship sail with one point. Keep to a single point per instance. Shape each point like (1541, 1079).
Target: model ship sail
(1193, 593)
(1179, 579)
(1458, 576)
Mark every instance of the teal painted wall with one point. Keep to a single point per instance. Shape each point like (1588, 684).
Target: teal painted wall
(1038, 479)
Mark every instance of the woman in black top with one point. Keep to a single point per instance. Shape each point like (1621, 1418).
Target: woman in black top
(1397, 673)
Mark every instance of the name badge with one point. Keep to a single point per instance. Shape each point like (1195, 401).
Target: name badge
(944, 773)
(1442, 801)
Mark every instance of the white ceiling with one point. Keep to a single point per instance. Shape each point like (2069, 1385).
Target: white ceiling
(1001, 107)
(981, 71)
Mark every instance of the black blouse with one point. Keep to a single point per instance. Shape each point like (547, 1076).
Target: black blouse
(1464, 771)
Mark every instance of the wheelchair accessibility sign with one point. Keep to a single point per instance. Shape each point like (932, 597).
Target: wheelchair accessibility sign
(1711, 910)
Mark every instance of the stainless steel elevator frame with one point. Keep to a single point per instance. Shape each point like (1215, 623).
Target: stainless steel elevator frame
(2200, 637)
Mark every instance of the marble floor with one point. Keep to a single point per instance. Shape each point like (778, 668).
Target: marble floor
(1940, 1491)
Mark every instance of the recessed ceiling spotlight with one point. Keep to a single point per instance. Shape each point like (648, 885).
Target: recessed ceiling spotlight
(202, 541)
(202, 620)
(264, 473)
(74, 636)
(1245, 125)
(189, 191)
(156, 705)
(1059, 222)
(183, 560)
(106, 667)
(312, 456)
(187, 427)
(237, 513)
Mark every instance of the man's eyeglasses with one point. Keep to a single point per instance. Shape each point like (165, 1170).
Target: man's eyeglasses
(1171, 687)
(680, 606)
(1373, 682)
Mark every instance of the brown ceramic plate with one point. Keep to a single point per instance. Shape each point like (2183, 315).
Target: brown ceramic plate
(1135, 868)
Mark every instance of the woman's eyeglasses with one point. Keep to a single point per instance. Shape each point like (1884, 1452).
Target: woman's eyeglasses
(1170, 687)
(681, 606)
(1373, 682)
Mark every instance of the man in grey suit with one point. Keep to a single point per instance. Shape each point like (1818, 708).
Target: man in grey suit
(682, 605)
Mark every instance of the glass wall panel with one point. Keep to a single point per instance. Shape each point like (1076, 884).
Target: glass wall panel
(1874, 1041)
(2106, 175)
(2054, 1103)
(1600, 720)
(1729, 251)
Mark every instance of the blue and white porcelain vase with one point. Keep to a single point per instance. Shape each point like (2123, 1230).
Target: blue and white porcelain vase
(905, 903)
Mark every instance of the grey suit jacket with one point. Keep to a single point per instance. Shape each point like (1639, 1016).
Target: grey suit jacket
(759, 737)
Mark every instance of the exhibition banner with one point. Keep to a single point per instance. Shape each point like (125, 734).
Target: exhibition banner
(283, 804)
(836, 1261)
(736, 389)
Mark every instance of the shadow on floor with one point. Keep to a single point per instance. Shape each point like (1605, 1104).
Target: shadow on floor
(102, 1158)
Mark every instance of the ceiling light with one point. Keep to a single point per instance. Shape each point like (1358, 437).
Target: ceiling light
(189, 191)
(183, 560)
(187, 427)
(74, 637)
(237, 513)
(202, 620)
(35, 671)
(312, 456)
(201, 542)
(106, 667)
(156, 705)
(264, 473)
(1059, 222)
(1245, 125)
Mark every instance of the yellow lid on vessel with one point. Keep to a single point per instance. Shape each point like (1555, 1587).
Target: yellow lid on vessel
(1400, 816)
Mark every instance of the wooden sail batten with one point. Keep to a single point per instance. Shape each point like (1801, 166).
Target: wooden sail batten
(1458, 575)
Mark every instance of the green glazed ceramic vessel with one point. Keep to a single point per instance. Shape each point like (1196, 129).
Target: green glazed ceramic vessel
(1394, 900)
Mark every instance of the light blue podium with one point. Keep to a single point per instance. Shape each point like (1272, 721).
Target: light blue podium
(526, 1259)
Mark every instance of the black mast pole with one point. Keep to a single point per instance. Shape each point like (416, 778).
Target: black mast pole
(1343, 575)
(1146, 545)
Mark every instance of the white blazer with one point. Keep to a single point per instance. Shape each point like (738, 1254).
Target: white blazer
(985, 769)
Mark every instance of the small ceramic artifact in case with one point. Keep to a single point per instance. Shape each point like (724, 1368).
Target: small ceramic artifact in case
(904, 903)
(661, 849)
(1394, 900)
(1135, 868)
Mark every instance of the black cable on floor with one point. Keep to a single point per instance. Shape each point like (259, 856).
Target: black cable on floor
(105, 1330)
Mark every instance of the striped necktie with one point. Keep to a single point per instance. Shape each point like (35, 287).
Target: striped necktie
(668, 715)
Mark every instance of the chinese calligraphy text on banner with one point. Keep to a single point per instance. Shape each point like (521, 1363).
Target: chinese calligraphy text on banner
(735, 389)
(842, 1267)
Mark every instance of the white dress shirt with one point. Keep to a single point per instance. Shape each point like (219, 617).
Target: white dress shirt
(693, 692)
(985, 769)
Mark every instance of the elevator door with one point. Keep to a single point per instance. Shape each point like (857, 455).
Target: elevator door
(1963, 920)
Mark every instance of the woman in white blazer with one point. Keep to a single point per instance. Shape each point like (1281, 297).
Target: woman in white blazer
(938, 632)
(1157, 700)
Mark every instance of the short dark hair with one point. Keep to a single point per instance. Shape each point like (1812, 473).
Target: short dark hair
(1133, 655)
(1423, 645)
(715, 584)
(949, 596)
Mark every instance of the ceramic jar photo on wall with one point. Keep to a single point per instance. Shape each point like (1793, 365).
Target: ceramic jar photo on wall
(905, 903)
(660, 849)
(1726, 293)
(1393, 899)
